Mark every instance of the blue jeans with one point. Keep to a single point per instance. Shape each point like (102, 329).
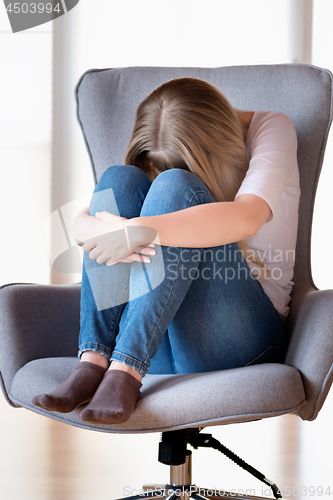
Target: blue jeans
(205, 312)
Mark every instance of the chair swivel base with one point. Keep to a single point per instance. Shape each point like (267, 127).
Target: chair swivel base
(173, 452)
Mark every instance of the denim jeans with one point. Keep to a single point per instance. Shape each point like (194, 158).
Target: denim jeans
(189, 310)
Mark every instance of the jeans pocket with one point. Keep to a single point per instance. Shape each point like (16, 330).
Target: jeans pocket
(273, 354)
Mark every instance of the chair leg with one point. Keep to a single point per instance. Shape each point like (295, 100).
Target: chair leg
(148, 494)
(210, 495)
(153, 487)
(174, 496)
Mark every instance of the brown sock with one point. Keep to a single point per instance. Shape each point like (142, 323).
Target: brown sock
(77, 389)
(115, 400)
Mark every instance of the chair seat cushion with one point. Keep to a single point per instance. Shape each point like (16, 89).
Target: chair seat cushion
(172, 402)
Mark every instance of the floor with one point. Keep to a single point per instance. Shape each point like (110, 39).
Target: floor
(42, 459)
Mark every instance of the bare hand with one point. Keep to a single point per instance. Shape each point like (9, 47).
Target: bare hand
(113, 244)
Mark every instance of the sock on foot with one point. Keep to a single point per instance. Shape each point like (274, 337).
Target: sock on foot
(115, 400)
(77, 389)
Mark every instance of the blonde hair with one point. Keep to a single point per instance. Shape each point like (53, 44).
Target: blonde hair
(188, 123)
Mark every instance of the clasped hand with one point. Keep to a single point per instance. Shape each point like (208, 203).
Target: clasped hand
(114, 242)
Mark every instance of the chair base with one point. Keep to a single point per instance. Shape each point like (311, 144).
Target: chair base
(186, 490)
(173, 452)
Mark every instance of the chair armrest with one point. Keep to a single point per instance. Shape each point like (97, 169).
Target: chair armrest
(311, 346)
(37, 321)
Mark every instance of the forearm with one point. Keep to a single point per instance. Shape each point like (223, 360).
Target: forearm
(86, 226)
(202, 226)
(110, 238)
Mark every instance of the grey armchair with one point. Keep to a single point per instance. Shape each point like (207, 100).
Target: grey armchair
(40, 323)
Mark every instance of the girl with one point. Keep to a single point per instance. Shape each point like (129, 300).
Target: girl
(189, 249)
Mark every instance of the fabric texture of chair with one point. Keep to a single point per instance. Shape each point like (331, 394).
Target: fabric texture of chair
(40, 323)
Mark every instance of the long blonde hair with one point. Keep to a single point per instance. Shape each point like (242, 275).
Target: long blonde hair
(188, 123)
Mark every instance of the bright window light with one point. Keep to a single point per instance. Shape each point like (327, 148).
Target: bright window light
(25, 152)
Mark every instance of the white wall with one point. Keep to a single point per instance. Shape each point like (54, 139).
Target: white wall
(25, 142)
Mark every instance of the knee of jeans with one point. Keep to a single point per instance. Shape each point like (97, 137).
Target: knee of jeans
(118, 175)
(176, 175)
(113, 188)
(175, 189)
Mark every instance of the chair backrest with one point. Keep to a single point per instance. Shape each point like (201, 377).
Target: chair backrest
(107, 100)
